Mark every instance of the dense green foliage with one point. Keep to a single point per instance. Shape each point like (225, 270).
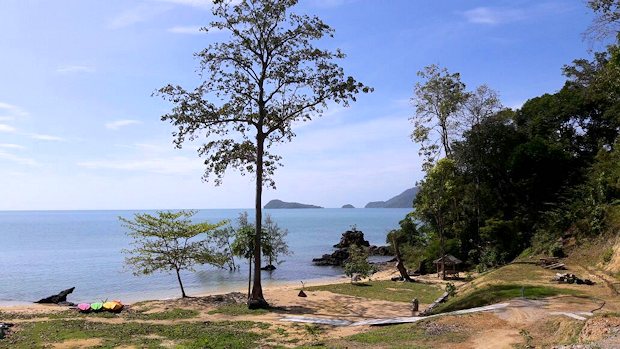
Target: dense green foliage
(526, 177)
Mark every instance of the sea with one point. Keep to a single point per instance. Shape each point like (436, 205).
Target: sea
(44, 252)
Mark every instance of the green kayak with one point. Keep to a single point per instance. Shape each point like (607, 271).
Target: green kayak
(96, 306)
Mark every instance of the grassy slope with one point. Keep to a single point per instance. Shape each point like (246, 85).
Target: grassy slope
(507, 283)
(385, 290)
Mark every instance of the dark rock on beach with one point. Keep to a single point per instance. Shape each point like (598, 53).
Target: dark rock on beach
(380, 251)
(268, 267)
(58, 298)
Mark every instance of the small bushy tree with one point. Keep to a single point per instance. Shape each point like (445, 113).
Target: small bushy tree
(274, 242)
(169, 241)
(358, 263)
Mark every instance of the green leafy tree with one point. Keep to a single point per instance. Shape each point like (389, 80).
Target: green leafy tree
(224, 239)
(357, 263)
(268, 76)
(606, 21)
(169, 241)
(243, 243)
(437, 202)
(438, 102)
(274, 242)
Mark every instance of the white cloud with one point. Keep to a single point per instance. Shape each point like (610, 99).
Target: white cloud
(44, 137)
(501, 15)
(206, 4)
(487, 15)
(136, 15)
(160, 165)
(10, 112)
(192, 29)
(69, 69)
(7, 128)
(11, 146)
(115, 125)
(17, 159)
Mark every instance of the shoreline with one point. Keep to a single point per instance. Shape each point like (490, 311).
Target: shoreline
(20, 306)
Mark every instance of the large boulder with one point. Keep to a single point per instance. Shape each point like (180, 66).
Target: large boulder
(352, 237)
(337, 258)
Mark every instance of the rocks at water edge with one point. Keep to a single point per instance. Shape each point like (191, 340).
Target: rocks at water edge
(349, 238)
(352, 237)
(57, 298)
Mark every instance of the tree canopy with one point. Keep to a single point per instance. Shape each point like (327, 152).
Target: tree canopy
(169, 241)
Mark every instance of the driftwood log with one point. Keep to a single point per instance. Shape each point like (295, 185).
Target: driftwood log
(57, 298)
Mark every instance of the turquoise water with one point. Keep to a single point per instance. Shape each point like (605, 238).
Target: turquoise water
(43, 252)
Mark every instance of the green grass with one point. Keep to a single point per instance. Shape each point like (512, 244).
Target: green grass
(173, 314)
(223, 334)
(237, 309)
(398, 336)
(385, 290)
(496, 293)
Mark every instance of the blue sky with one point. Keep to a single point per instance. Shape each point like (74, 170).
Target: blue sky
(80, 130)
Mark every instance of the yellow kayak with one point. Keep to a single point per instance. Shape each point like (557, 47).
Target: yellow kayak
(113, 306)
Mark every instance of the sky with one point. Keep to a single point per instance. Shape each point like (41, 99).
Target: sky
(80, 129)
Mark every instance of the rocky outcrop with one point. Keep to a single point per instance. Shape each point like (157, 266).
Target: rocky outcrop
(380, 251)
(282, 204)
(348, 239)
(352, 237)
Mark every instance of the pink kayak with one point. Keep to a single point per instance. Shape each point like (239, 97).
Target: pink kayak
(84, 307)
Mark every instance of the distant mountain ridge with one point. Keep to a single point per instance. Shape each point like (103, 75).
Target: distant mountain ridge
(283, 204)
(402, 200)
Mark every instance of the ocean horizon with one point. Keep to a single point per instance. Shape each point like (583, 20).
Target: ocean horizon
(45, 251)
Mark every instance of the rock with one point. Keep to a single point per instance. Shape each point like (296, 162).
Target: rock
(269, 267)
(60, 297)
(338, 258)
(352, 237)
(380, 251)
(302, 294)
(348, 206)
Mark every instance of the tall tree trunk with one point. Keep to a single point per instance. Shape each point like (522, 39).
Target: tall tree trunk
(399, 262)
(249, 275)
(257, 300)
(181, 284)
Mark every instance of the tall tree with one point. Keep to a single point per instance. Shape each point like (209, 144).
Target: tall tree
(438, 101)
(267, 76)
(169, 241)
(436, 202)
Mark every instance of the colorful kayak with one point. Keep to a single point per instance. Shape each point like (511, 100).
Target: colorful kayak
(84, 307)
(113, 306)
(96, 306)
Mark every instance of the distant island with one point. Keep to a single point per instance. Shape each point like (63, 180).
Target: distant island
(348, 206)
(282, 204)
(402, 200)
